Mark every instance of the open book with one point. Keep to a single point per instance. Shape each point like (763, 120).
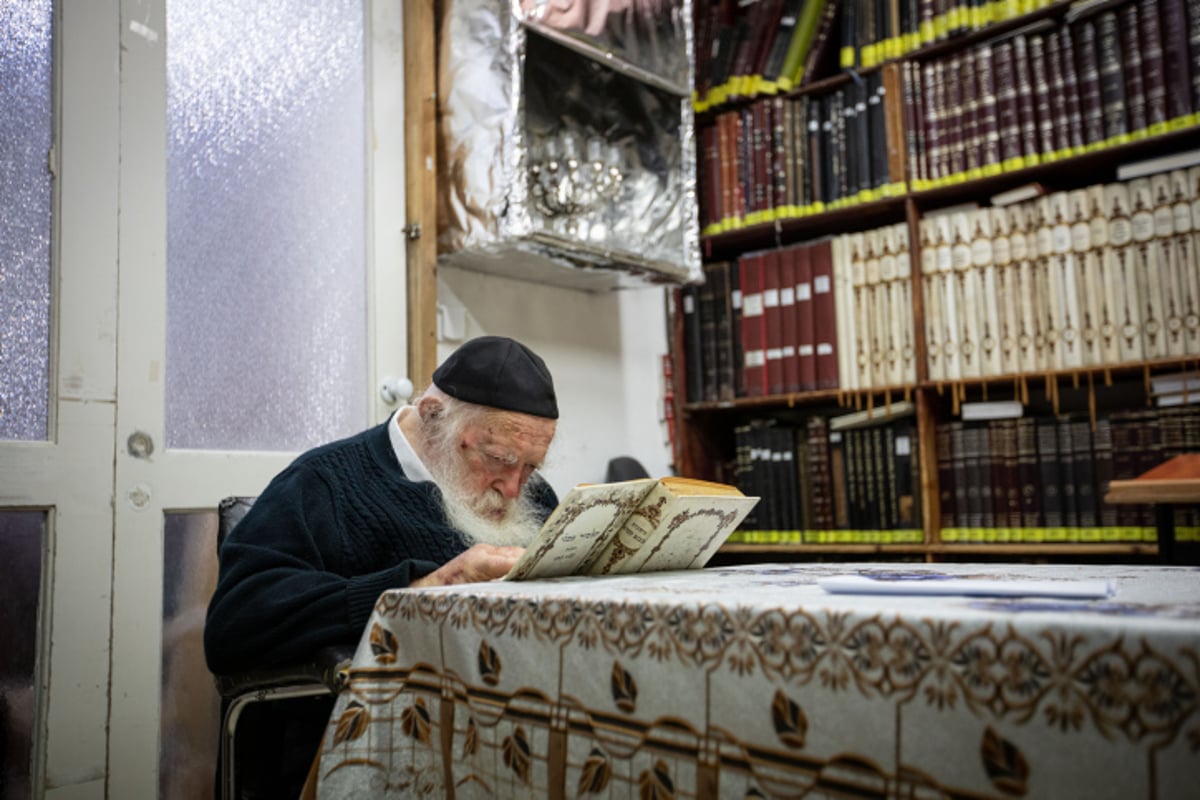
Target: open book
(641, 525)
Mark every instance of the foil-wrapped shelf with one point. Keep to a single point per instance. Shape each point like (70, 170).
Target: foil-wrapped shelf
(566, 149)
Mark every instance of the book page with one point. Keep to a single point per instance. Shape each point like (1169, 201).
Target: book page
(691, 531)
(586, 518)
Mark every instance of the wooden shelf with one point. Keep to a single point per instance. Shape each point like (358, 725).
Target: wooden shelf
(1014, 548)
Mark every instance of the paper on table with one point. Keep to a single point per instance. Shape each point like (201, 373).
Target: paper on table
(919, 583)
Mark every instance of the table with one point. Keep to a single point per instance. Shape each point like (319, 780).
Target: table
(752, 681)
(1175, 481)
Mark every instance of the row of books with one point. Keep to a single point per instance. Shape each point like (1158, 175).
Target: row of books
(1044, 479)
(835, 313)
(1120, 74)
(1098, 276)
(1024, 479)
(744, 49)
(829, 482)
(792, 156)
(747, 48)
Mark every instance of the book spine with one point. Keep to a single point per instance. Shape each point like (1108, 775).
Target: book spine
(1083, 457)
(1176, 62)
(1070, 73)
(1068, 484)
(955, 117)
(1026, 99)
(1102, 449)
(1050, 478)
(820, 470)
(782, 158)
(1043, 109)
(805, 324)
(822, 45)
(736, 326)
(1131, 50)
(1029, 473)
(1112, 80)
(754, 332)
(972, 125)
(824, 320)
(1153, 70)
(707, 314)
(773, 321)
(787, 320)
(1058, 96)
(693, 343)
(945, 478)
(1193, 15)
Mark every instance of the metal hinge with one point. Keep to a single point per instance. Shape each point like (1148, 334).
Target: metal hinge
(412, 230)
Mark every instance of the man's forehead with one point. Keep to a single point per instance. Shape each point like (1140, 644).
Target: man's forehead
(517, 428)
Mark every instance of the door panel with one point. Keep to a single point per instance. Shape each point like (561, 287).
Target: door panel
(254, 341)
(142, 426)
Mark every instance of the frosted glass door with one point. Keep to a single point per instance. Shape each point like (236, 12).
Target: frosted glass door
(266, 223)
(25, 130)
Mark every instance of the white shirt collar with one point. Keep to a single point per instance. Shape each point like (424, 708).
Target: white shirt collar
(410, 462)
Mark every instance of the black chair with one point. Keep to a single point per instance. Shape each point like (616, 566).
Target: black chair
(324, 675)
(625, 468)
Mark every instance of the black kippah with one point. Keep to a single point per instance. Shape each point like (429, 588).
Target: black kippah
(499, 372)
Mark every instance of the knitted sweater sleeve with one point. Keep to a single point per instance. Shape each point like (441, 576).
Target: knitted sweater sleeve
(287, 586)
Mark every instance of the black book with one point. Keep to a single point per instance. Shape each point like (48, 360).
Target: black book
(693, 342)
(1066, 466)
(877, 138)
(945, 475)
(1153, 71)
(782, 39)
(705, 295)
(1050, 470)
(1176, 63)
(1026, 103)
(735, 327)
(1083, 459)
(1029, 473)
(1131, 50)
(1112, 80)
(1070, 75)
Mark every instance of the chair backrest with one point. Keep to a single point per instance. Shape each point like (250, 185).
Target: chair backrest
(229, 513)
(625, 468)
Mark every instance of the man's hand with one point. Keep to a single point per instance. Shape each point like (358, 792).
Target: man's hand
(483, 562)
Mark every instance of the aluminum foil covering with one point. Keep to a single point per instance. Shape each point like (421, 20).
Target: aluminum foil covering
(565, 152)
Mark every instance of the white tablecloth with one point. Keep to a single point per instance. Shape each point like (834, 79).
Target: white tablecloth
(752, 681)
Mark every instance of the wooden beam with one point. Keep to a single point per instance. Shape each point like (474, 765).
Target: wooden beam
(420, 171)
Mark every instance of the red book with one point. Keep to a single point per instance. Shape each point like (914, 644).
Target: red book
(754, 329)
(824, 315)
(773, 320)
(787, 319)
(806, 346)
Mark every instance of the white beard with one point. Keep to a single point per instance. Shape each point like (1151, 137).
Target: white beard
(517, 528)
(517, 522)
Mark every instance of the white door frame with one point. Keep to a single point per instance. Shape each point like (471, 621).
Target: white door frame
(100, 665)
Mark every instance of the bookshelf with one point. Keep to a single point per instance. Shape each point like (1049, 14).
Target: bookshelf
(888, 163)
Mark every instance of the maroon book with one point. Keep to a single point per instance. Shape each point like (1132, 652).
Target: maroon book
(754, 329)
(806, 346)
(824, 315)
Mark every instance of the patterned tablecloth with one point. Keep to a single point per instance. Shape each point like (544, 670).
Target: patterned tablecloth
(752, 681)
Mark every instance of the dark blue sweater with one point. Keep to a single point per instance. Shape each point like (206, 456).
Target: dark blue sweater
(304, 567)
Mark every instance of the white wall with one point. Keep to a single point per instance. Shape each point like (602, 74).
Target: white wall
(604, 350)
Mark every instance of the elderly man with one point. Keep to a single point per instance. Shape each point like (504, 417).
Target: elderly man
(446, 491)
